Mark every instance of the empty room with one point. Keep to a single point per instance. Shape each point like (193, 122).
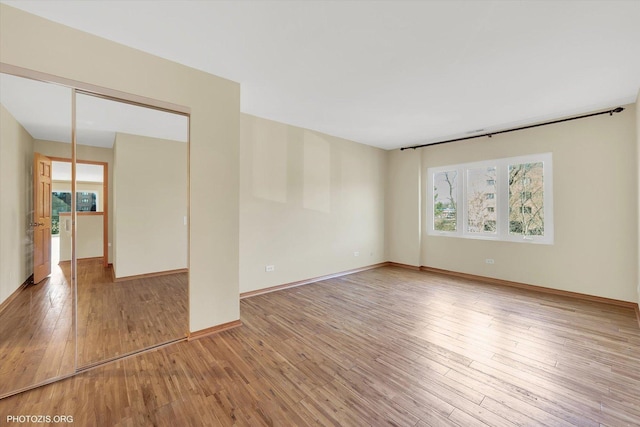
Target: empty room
(289, 213)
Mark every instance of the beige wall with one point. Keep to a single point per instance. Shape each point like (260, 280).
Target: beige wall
(595, 209)
(150, 205)
(308, 201)
(16, 206)
(34, 43)
(403, 207)
(89, 236)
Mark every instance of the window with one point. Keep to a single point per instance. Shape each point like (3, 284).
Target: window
(85, 201)
(480, 195)
(445, 210)
(526, 199)
(61, 202)
(503, 199)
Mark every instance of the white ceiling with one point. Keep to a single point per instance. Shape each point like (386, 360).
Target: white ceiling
(44, 110)
(389, 73)
(98, 119)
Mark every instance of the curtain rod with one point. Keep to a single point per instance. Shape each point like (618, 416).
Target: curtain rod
(490, 134)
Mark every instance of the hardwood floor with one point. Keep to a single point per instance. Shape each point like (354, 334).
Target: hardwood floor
(382, 346)
(36, 334)
(37, 341)
(117, 318)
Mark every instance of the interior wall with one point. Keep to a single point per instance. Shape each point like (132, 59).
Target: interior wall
(308, 202)
(403, 204)
(85, 152)
(34, 43)
(16, 207)
(150, 205)
(595, 209)
(89, 236)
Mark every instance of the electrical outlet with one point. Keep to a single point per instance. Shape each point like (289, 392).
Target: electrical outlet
(270, 268)
(356, 253)
(489, 261)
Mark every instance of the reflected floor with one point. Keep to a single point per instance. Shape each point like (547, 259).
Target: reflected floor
(36, 334)
(117, 318)
(114, 319)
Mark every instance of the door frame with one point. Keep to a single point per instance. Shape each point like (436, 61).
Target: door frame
(105, 201)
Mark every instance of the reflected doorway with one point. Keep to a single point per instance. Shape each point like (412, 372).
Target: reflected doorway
(91, 201)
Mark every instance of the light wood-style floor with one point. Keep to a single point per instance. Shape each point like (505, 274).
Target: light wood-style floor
(37, 341)
(382, 346)
(36, 333)
(117, 318)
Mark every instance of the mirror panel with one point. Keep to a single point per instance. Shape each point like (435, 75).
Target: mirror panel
(139, 297)
(37, 335)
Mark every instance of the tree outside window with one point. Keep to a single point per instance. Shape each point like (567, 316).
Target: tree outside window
(526, 199)
(445, 209)
(481, 200)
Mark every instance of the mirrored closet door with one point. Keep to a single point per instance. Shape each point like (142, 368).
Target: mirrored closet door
(140, 300)
(93, 229)
(37, 334)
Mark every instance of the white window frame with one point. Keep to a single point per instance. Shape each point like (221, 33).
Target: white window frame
(502, 198)
(431, 219)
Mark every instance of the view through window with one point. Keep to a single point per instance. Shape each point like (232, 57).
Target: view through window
(501, 199)
(86, 201)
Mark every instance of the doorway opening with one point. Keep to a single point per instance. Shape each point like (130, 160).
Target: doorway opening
(91, 201)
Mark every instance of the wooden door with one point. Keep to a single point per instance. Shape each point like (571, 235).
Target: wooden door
(41, 217)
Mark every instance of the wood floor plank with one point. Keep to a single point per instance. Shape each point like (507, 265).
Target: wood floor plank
(117, 318)
(519, 400)
(37, 339)
(383, 346)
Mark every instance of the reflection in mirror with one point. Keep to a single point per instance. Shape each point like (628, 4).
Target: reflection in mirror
(140, 300)
(90, 219)
(37, 336)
